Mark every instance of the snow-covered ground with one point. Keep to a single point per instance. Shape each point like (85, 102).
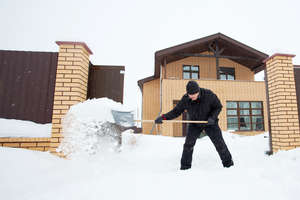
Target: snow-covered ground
(23, 128)
(147, 167)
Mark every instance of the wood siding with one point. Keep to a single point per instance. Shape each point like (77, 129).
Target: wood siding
(244, 88)
(177, 127)
(207, 68)
(151, 104)
(225, 90)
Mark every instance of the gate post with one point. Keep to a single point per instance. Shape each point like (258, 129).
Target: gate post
(284, 122)
(70, 85)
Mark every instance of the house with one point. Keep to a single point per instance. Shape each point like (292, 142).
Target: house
(219, 63)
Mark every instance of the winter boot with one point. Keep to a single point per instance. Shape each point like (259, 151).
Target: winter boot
(228, 164)
(184, 167)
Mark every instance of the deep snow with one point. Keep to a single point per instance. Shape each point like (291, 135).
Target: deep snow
(147, 167)
(89, 127)
(23, 128)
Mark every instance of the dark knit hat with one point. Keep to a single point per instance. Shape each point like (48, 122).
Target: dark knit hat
(192, 87)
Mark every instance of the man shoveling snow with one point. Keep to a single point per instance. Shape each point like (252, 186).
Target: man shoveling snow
(201, 104)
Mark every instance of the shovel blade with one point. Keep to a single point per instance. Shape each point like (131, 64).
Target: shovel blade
(123, 118)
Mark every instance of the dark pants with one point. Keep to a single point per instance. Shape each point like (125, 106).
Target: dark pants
(214, 133)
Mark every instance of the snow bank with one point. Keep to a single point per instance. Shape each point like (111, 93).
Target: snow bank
(23, 128)
(96, 109)
(89, 127)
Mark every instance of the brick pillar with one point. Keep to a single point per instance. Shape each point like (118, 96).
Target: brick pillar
(71, 84)
(284, 120)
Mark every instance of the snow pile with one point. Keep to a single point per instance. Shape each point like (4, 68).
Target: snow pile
(23, 128)
(89, 127)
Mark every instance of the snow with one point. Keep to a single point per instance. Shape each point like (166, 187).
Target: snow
(96, 109)
(89, 127)
(147, 167)
(92, 110)
(22, 128)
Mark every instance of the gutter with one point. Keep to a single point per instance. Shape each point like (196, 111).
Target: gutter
(270, 152)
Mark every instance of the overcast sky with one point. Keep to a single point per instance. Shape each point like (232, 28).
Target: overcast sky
(128, 32)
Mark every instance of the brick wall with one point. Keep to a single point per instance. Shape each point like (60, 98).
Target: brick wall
(282, 102)
(39, 144)
(70, 86)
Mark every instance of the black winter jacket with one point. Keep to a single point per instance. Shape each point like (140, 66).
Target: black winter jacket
(207, 105)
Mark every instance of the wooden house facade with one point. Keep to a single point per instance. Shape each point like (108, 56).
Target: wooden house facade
(219, 63)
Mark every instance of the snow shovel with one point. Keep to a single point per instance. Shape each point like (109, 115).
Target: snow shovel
(126, 119)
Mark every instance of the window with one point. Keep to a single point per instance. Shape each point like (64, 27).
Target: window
(245, 115)
(227, 73)
(190, 72)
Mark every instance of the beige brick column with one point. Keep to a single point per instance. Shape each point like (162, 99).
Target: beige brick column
(284, 120)
(71, 84)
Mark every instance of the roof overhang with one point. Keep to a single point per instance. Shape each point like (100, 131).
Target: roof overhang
(230, 47)
(237, 51)
(142, 81)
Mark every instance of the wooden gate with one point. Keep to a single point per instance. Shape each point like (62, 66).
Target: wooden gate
(297, 83)
(106, 81)
(27, 82)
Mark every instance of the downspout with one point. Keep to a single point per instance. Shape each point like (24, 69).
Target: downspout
(270, 152)
(161, 78)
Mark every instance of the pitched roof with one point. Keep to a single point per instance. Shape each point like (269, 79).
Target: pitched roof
(254, 58)
(144, 80)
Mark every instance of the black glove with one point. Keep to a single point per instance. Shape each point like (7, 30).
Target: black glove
(211, 121)
(159, 120)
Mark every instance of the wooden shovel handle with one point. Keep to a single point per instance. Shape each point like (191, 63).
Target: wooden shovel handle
(174, 121)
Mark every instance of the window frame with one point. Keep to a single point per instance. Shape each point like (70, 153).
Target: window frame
(190, 71)
(238, 110)
(227, 71)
